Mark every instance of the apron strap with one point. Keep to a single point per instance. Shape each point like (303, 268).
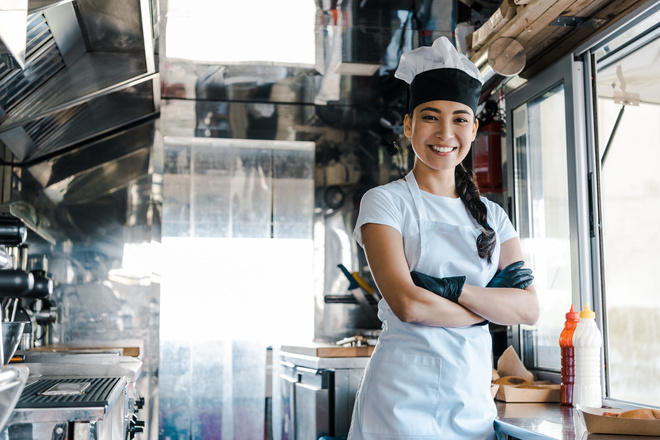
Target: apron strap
(416, 195)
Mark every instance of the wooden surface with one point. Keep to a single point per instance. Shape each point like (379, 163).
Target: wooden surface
(558, 42)
(545, 43)
(328, 350)
(131, 350)
(496, 22)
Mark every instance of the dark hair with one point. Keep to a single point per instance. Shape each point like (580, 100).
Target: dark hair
(469, 193)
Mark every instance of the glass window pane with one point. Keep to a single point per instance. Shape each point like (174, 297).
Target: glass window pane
(541, 185)
(206, 22)
(236, 255)
(630, 196)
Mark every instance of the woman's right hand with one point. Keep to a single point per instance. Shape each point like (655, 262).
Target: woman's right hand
(447, 287)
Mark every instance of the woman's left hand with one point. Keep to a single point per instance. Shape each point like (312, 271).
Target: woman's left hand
(513, 276)
(505, 304)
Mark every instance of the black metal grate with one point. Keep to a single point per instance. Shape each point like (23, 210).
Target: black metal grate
(42, 61)
(96, 395)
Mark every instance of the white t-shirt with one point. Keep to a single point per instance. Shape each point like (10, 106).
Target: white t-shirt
(392, 205)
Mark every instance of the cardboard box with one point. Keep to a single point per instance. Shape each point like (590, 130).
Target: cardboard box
(597, 423)
(538, 392)
(493, 389)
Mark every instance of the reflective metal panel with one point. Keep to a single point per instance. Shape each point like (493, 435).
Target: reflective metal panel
(99, 206)
(112, 26)
(43, 60)
(57, 131)
(76, 55)
(231, 286)
(347, 163)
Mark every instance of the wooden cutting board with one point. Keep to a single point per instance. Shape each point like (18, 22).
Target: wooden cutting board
(328, 350)
(127, 350)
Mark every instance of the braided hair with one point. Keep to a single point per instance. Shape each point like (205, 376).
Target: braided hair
(469, 193)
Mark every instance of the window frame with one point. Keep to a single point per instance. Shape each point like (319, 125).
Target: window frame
(569, 72)
(576, 72)
(587, 52)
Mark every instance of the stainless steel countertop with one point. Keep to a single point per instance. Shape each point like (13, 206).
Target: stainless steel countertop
(547, 421)
(323, 363)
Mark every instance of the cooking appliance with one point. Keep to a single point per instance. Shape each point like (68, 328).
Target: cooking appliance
(64, 399)
(12, 381)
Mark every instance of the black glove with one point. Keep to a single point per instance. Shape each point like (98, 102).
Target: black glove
(513, 276)
(448, 287)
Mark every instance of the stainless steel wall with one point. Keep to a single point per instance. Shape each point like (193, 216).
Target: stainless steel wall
(348, 162)
(97, 222)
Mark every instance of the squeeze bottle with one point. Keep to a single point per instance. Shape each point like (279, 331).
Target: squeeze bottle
(568, 357)
(587, 341)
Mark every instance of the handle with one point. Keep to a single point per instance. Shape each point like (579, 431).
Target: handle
(353, 283)
(14, 282)
(43, 287)
(367, 288)
(12, 231)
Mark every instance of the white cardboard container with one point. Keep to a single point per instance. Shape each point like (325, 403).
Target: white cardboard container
(597, 423)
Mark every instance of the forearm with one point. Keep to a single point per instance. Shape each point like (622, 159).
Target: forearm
(504, 306)
(426, 308)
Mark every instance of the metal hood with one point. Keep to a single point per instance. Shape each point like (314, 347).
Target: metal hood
(87, 194)
(88, 68)
(76, 110)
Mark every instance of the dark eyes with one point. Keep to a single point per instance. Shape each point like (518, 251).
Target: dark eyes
(458, 119)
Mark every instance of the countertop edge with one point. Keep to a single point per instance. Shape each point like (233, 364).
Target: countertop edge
(518, 432)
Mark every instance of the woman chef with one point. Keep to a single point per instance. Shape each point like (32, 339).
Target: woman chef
(429, 375)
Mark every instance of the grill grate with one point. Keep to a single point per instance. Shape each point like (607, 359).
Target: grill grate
(96, 395)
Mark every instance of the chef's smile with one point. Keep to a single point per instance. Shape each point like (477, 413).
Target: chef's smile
(443, 149)
(441, 133)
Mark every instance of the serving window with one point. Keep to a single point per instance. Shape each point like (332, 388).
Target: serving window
(584, 151)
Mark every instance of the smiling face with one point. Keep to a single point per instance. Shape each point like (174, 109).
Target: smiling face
(441, 133)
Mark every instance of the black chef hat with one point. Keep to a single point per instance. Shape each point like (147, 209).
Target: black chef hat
(440, 72)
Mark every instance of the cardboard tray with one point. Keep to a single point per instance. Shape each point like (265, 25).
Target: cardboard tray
(597, 423)
(538, 392)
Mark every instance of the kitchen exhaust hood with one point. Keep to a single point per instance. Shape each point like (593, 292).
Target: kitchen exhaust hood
(89, 68)
(83, 102)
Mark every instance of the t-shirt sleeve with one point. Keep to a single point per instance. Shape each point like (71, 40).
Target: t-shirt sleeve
(501, 222)
(377, 206)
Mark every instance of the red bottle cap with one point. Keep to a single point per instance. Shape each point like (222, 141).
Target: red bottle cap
(572, 315)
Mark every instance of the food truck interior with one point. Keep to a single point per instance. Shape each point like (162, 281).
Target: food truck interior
(179, 183)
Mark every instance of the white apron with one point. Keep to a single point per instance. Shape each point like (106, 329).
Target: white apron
(425, 382)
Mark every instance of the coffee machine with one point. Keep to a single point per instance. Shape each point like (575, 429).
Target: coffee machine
(25, 290)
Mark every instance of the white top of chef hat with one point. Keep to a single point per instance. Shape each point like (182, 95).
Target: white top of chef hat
(441, 55)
